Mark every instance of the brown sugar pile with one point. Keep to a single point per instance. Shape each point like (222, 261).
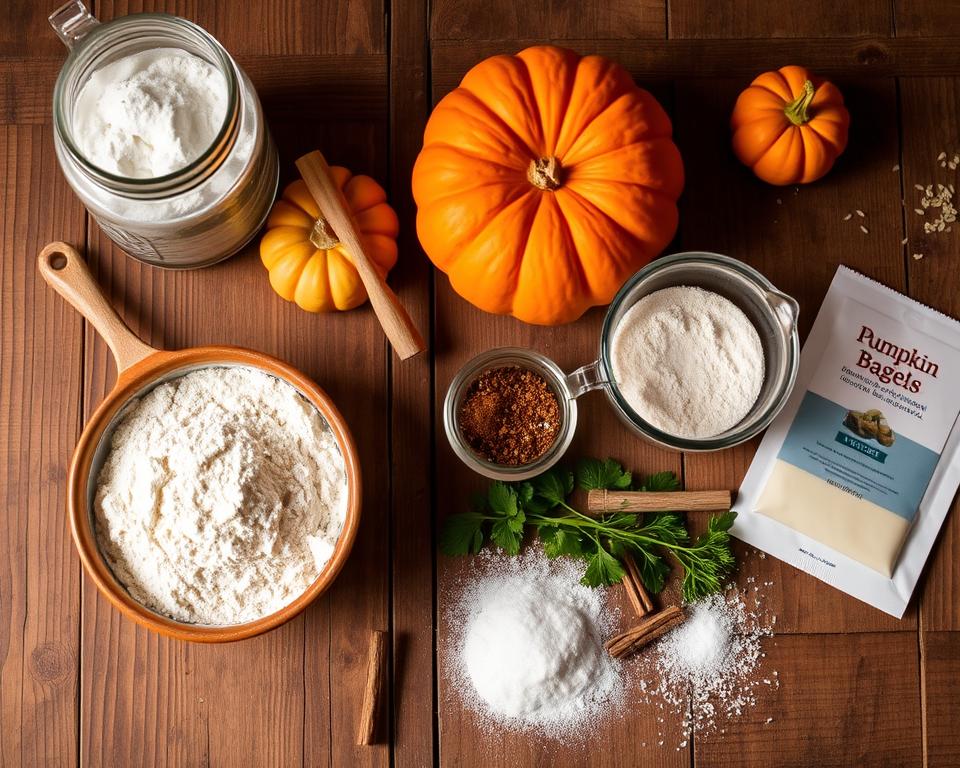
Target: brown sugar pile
(510, 416)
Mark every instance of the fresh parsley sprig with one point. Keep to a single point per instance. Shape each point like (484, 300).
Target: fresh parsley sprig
(541, 504)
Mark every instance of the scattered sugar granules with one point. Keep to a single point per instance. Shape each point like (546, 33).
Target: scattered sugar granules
(706, 668)
(525, 646)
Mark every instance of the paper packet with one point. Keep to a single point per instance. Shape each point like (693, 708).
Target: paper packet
(853, 479)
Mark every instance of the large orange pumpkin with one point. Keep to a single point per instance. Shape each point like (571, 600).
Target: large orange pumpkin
(789, 126)
(545, 180)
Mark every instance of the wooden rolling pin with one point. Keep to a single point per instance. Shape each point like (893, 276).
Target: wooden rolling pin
(599, 502)
(397, 324)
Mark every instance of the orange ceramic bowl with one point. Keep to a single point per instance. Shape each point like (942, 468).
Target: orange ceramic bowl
(141, 368)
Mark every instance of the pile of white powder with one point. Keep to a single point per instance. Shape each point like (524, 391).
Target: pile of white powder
(688, 361)
(150, 114)
(222, 496)
(706, 669)
(525, 645)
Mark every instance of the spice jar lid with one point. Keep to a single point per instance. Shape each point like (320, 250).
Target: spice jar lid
(526, 360)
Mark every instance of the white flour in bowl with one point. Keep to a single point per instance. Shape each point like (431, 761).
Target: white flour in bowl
(688, 361)
(222, 497)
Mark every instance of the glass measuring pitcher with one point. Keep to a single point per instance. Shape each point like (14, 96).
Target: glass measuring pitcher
(772, 313)
(199, 214)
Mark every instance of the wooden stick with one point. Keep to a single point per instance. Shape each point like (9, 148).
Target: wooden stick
(398, 326)
(646, 632)
(373, 691)
(633, 586)
(599, 502)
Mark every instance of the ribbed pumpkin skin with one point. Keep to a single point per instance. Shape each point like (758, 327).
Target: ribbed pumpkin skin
(777, 150)
(545, 256)
(324, 279)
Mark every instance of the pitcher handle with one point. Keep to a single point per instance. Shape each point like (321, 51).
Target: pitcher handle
(72, 21)
(585, 379)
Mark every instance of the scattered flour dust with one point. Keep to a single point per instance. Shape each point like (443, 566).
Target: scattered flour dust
(688, 361)
(706, 669)
(222, 497)
(525, 646)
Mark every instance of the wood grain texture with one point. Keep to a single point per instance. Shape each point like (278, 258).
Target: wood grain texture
(930, 109)
(788, 18)
(843, 700)
(40, 357)
(413, 726)
(940, 662)
(546, 19)
(278, 27)
(925, 18)
(796, 236)
(744, 59)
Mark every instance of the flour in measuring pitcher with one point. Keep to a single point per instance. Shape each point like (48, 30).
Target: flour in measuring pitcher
(222, 497)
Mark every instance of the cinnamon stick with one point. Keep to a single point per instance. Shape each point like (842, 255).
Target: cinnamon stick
(633, 586)
(373, 691)
(647, 631)
(603, 501)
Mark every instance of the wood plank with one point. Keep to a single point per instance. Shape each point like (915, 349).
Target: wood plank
(25, 31)
(940, 670)
(843, 700)
(744, 59)
(796, 237)
(278, 27)
(546, 19)
(925, 18)
(40, 349)
(929, 111)
(704, 19)
(413, 727)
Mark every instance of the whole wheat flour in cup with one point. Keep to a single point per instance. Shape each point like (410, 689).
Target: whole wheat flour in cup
(222, 496)
(687, 361)
(525, 646)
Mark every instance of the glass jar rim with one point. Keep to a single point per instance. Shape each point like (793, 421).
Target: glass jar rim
(734, 435)
(192, 172)
(555, 378)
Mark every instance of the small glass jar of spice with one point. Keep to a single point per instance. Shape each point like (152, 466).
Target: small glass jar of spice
(508, 414)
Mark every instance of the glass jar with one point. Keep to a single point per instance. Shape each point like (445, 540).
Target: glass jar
(772, 313)
(192, 217)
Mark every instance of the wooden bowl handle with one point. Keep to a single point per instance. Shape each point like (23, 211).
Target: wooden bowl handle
(397, 324)
(66, 272)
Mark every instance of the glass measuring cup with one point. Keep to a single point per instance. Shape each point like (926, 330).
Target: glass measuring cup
(192, 217)
(773, 314)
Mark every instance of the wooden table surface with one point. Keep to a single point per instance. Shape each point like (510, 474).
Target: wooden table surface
(356, 78)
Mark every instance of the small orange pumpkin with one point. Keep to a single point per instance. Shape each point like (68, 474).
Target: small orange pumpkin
(545, 180)
(306, 261)
(789, 126)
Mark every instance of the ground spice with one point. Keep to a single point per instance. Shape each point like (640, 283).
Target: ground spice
(510, 416)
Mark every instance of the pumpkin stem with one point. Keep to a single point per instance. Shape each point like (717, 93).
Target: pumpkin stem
(322, 235)
(796, 110)
(544, 173)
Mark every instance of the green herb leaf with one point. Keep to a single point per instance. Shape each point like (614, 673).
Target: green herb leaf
(709, 561)
(559, 541)
(653, 570)
(603, 569)
(554, 485)
(661, 481)
(594, 475)
(504, 534)
(502, 499)
(462, 534)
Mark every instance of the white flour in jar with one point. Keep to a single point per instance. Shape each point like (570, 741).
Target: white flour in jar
(150, 114)
(688, 361)
(222, 496)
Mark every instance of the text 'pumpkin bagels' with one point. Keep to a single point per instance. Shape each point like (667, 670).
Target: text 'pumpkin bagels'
(546, 179)
(789, 126)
